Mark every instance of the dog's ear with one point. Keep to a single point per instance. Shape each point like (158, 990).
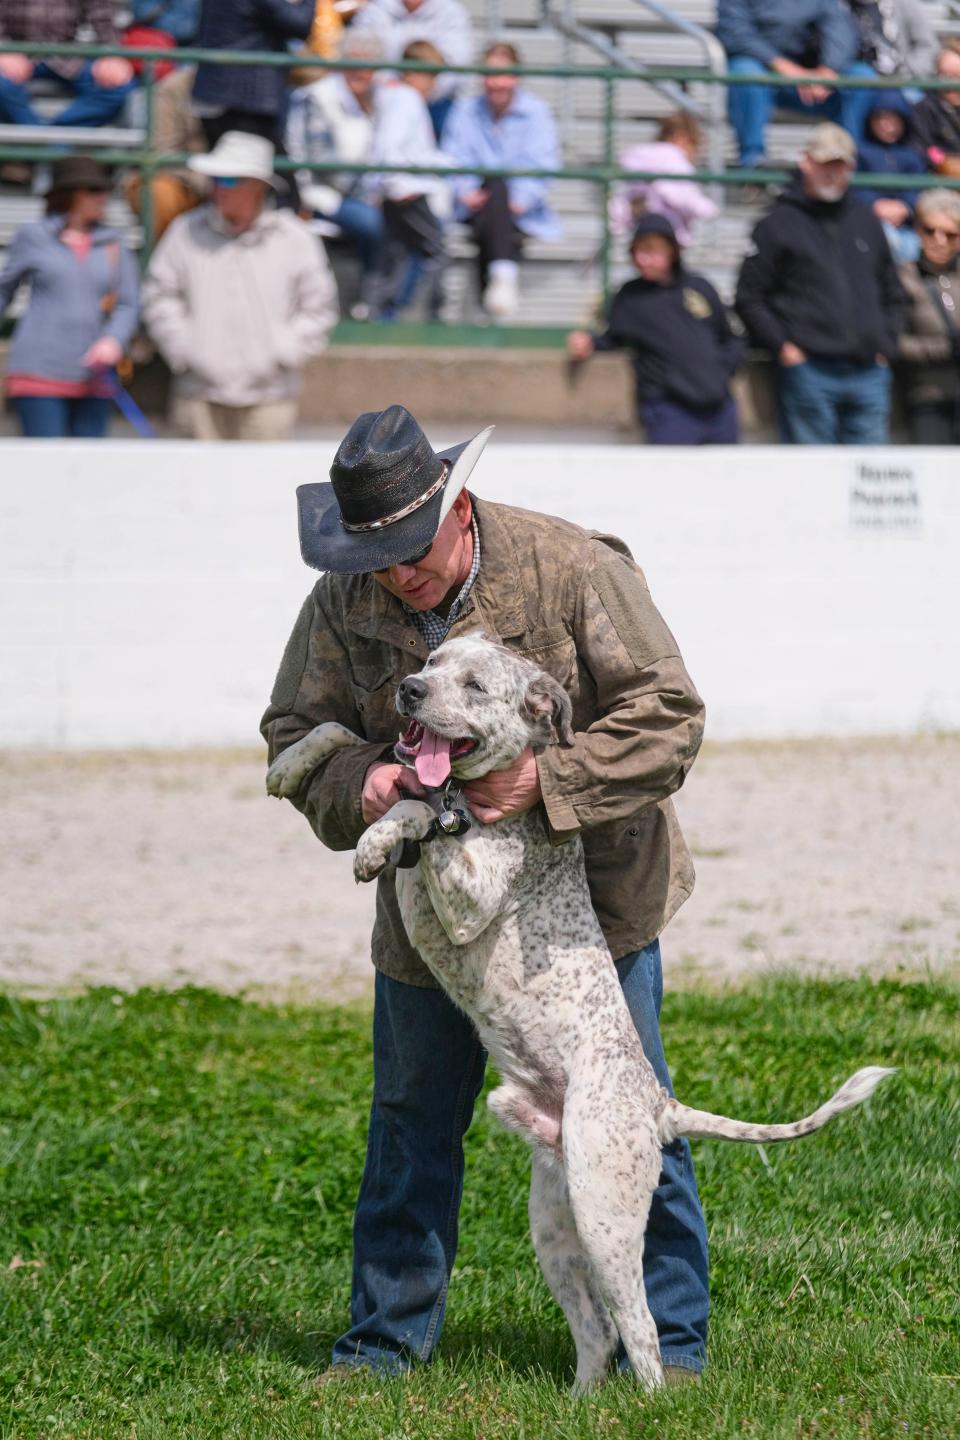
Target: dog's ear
(548, 704)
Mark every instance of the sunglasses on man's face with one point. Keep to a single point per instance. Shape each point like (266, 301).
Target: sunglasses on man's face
(413, 560)
(226, 182)
(932, 230)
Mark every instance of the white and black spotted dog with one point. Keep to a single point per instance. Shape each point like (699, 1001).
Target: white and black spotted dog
(505, 923)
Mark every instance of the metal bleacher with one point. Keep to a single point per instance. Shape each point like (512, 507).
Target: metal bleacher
(562, 280)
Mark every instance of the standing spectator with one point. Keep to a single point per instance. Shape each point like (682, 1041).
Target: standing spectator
(504, 128)
(682, 202)
(820, 291)
(886, 148)
(414, 206)
(684, 353)
(331, 119)
(937, 116)
(252, 98)
(99, 87)
(180, 18)
(812, 41)
(238, 297)
(175, 129)
(82, 310)
(895, 37)
(930, 343)
(445, 23)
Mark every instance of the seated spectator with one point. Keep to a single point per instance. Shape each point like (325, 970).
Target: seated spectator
(445, 23)
(414, 206)
(812, 41)
(819, 291)
(180, 18)
(895, 37)
(503, 128)
(682, 202)
(937, 116)
(98, 87)
(332, 119)
(82, 309)
(684, 352)
(886, 149)
(930, 342)
(175, 129)
(238, 297)
(251, 98)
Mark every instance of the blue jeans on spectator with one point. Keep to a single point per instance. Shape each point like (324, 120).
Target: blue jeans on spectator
(668, 423)
(428, 1070)
(834, 402)
(750, 106)
(48, 417)
(92, 104)
(363, 226)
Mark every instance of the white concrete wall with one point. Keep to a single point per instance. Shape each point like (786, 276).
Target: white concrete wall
(146, 590)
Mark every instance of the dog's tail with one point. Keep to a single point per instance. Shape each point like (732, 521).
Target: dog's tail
(676, 1119)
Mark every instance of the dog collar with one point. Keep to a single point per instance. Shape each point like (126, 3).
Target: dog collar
(452, 819)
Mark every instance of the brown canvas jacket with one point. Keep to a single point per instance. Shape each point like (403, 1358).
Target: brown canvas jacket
(578, 606)
(931, 374)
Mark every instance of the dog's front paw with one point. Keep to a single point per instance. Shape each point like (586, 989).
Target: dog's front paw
(372, 855)
(293, 765)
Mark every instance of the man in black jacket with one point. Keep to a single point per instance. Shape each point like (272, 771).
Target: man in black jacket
(819, 290)
(676, 328)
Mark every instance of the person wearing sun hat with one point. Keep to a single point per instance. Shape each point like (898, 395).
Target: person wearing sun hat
(410, 555)
(238, 297)
(82, 307)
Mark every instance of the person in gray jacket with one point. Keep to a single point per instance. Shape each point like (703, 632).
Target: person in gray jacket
(82, 309)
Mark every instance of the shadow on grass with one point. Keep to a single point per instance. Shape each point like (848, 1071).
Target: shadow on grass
(245, 1332)
(526, 1352)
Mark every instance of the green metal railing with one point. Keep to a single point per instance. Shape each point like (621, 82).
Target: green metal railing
(605, 176)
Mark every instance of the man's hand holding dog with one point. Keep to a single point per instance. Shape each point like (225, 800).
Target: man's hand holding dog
(505, 792)
(384, 784)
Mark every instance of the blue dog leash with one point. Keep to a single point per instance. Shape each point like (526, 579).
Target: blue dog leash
(128, 407)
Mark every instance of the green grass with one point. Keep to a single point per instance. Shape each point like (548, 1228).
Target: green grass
(177, 1174)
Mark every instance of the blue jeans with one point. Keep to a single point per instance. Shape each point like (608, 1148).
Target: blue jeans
(363, 226)
(92, 104)
(749, 106)
(428, 1067)
(666, 422)
(833, 402)
(48, 417)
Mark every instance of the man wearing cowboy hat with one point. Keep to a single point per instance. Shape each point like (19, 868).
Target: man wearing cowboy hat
(238, 297)
(409, 557)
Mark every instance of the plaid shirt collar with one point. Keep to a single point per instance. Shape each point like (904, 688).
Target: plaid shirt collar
(433, 627)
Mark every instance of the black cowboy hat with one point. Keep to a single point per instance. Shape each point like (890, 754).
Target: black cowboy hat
(388, 495)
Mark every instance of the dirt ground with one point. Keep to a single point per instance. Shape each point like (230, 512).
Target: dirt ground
(127, 869)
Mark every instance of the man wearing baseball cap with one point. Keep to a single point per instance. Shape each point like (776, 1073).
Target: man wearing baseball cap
(819, 290)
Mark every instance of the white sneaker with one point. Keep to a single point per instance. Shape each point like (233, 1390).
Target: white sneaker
(501, 297)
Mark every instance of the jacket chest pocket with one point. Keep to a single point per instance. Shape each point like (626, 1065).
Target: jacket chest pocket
(554, 650)
(374, 687)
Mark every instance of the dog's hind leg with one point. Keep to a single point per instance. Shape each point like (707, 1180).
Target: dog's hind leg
(611, 1156)
(568, 1272)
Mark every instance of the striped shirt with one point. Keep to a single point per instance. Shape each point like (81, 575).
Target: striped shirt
(434, 627)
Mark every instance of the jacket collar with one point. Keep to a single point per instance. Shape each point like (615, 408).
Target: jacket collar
(496, 598)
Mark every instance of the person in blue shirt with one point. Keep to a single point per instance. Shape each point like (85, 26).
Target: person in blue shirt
(812, 41)
(505, 127)
(886, 147)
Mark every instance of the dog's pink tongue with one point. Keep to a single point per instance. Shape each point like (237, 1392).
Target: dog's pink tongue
(433, 760)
